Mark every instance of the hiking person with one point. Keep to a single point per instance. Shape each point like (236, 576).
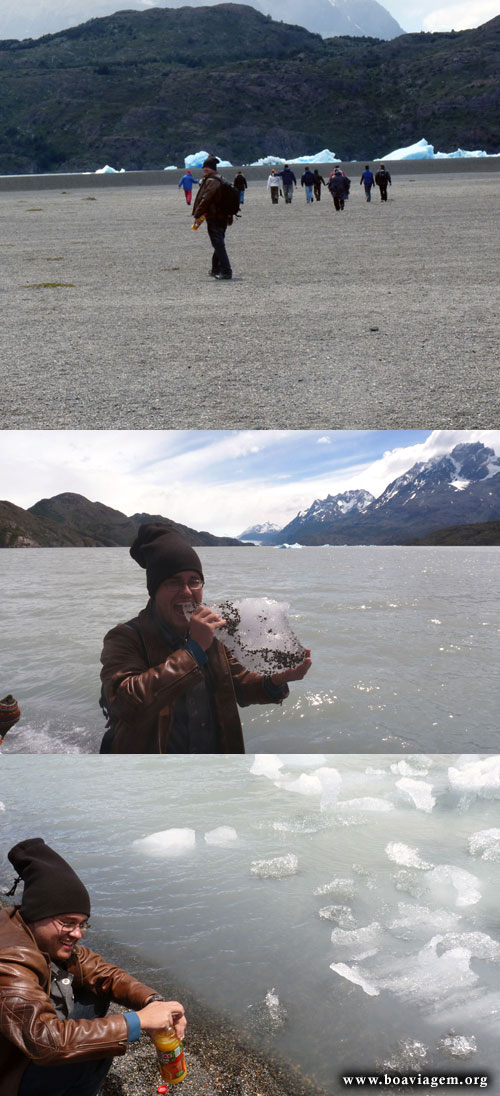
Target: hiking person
(383, 180)
(241, 185)
(339, 186)
(307, 180)
(273, 185)
(208, 204)
(318, 183)
(187, 183)
(289, 181)
(367, 180)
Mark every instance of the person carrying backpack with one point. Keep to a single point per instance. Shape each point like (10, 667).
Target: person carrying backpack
(218, 202)
(241, 185)
(368, 181)
(383, 180)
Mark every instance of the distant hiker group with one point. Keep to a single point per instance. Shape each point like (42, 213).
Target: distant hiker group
(282, 183)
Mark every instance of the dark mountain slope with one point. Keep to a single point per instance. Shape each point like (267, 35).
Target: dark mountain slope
(143, 89)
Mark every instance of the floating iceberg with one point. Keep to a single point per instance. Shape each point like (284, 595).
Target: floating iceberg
(171, 167)
(222, 835)
(278, 867)
(107, 170)
(323, 157)
(354, 975)
(167, 842)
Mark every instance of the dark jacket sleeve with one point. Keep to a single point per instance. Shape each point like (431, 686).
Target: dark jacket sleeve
(131, 686)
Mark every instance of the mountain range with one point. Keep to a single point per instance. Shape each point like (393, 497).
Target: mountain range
(70, 520)
(458, 489)
(113, 90)
(326, 17)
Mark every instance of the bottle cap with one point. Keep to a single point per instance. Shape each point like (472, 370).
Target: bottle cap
(162, 1088)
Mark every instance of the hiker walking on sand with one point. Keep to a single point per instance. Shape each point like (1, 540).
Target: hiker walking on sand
(273, 185)
(307, 180)
(367, 181)
(318, 183)
(208, 204)
(55, 1035)
(289, 181)
(383, 180)
(187, 183)
(241, 184)
(339, 185)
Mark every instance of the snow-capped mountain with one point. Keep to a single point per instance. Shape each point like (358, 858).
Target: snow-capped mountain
(259, 533)
(459, 488)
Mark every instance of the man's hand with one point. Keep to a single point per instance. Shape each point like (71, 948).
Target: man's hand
(163, 1014)
(294, 673)
(203, 626)
(198, 221)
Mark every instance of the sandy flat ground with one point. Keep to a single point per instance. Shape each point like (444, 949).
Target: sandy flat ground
(383, 316)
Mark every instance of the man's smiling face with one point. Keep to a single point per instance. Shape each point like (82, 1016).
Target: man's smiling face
(183, 588)
(58, 935)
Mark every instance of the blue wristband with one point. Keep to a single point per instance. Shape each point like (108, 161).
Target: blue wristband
(134, 1026)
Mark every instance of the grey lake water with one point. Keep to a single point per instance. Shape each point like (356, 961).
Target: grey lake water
(342, 909)
(404, 641)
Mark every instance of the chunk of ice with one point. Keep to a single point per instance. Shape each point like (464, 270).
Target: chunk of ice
(406, 856)
(277, 867)
(465, 885)
(486, 844)
(222, 835)
(267, 765)
(172, 842)
(458, 1046)
(258, 634)
(354, 975)
(418, 791)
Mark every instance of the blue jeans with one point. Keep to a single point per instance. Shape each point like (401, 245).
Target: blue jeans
(220, 260)
(242, 196)
(309, 194)
(69, 1078)
(368, 192)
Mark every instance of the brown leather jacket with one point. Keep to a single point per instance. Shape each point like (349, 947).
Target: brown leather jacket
(29, 1026)
(206, 203)
(142, 678)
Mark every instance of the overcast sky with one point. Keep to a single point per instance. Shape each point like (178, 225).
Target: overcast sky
(222, 481)
(32, 18)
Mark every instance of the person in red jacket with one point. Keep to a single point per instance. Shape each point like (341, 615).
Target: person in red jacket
(55, 1036)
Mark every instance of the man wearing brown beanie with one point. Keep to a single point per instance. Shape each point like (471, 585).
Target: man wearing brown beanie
(207, 205)
(55, 1037)
(169, 686)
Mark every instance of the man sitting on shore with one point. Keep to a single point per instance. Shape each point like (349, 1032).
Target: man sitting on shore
(169, 686)
(55, 1037)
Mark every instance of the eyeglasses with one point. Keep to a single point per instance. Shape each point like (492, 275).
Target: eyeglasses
(72, 926)
(180, 583)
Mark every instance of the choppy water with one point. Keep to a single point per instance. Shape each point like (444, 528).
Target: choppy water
(346, 917)
(405, 643)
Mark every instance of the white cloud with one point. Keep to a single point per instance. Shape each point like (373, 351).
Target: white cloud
(461, 16)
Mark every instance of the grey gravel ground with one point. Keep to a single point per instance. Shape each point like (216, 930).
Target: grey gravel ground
(383, 316)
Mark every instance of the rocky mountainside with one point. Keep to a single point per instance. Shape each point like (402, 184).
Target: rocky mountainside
(70, 520)
(326, 17)
(113, 90)
(461, 488)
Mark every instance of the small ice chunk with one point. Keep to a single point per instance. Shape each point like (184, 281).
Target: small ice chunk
(458, 1046)
(2, 806)
(476, 776)
(406, 856)
(222, 835)
(486, 844)
(368, 803)
(343, 887)
(465, 885)
(276, 867)
(258, 634)
(342, 915)
(354, 975)
(418, 791)
(277, 1013)
(358, 940)
(266, 765)
(188, 608)
(172, 842)
(411, 916)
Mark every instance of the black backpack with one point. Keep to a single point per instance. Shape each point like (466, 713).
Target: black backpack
(229, 199)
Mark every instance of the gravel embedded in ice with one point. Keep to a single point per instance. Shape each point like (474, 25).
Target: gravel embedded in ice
(259, 635)
(171, 842)
(276, 867)
(221, 835)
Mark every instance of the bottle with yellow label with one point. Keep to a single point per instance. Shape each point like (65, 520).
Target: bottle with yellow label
(196, 227)
(170, 1054)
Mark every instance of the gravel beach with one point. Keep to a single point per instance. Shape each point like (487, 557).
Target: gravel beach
(382, 316)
